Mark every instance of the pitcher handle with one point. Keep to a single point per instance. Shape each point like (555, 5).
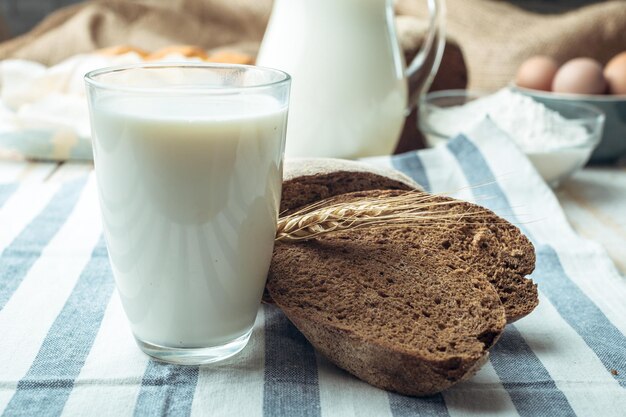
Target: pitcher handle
(436, 37)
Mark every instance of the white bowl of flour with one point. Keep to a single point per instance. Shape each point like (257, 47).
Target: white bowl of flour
(558, 138)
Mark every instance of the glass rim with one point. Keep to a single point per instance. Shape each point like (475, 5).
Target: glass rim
(90, 78)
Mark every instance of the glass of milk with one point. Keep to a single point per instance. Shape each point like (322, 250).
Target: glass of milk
(188, 163)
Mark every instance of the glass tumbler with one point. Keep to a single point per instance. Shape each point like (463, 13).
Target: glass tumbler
(188, 160)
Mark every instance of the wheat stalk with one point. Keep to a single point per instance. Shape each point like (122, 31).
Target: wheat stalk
(413, 208)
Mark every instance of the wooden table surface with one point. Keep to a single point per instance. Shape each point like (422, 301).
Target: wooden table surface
(594, 199)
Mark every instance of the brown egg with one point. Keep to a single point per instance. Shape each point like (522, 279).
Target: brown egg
(537, 73)
(615, 74)
(580, 76)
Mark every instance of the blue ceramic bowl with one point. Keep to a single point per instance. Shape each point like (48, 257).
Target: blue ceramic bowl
(613, 142)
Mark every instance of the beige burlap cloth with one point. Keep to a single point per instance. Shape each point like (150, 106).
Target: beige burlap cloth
(487, 39)
(149, 24)
(497, 36)
(494, 36)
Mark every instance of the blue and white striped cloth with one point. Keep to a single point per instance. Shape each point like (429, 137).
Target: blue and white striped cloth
(66, 349)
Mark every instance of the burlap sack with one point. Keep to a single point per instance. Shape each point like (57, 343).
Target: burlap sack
(497, 36)
(149, 24)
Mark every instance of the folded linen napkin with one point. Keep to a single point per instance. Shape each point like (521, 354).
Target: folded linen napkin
(66, 348)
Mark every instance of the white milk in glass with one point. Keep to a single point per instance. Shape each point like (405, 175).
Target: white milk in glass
(189, 190)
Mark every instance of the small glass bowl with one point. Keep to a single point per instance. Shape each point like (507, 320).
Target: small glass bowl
(554, 164)
(612, 146)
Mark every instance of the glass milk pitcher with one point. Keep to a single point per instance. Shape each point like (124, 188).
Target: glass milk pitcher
(349, 95)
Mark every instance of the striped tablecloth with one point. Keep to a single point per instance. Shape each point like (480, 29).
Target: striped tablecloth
(66, 349)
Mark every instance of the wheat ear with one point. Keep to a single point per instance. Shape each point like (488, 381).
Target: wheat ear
(412, 208)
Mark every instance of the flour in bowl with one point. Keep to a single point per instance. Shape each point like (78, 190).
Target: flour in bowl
(533, 126)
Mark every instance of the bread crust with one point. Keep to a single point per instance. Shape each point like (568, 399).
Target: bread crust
(383, 366)
(188, 51)
(298, 168)
(307, 180)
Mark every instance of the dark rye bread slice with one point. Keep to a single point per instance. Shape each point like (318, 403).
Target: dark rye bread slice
(487, 243)
(396, 314)
(307, 180)
(405, 309)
